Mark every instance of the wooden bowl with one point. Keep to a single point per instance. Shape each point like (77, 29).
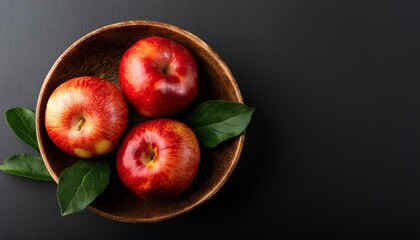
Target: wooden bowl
(98, 54)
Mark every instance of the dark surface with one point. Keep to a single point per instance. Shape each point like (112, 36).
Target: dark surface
(331, 153)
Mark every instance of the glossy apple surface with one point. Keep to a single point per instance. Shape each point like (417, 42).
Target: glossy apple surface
(158, 159)
(86, 116)
(158, 76)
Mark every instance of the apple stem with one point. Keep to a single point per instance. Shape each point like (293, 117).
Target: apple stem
(163, 69)
(80, 124)
(152, 155)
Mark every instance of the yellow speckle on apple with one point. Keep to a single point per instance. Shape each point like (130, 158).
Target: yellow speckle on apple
(83, 153)
(102, 146)
(146, 186)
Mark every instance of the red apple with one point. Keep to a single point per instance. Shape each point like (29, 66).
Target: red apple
(86, 116)
(158, 159)
(158, 76)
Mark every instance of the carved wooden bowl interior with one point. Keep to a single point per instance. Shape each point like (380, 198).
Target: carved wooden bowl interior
(98, 54)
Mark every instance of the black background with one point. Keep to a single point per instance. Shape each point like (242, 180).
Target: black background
(332, 152)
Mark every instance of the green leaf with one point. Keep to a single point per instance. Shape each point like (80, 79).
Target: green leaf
(216, 121)
(22, 122)
(26, 165)
(81, 183)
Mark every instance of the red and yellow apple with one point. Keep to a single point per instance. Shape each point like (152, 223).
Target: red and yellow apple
(86, 116)
(158, 159)
(158, 76)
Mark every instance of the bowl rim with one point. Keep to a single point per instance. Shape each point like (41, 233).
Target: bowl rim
(208, 50)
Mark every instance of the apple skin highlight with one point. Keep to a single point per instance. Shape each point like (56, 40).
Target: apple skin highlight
(86, 116)
(158, 76)
(158, 159)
